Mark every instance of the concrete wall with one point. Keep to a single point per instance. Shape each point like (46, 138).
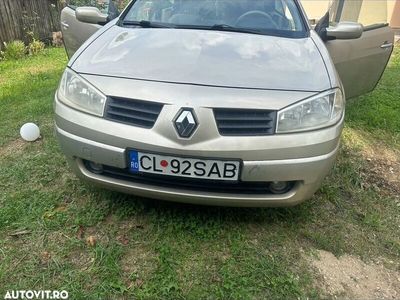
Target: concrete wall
(394, 13)
(371, 10)
(315, 8)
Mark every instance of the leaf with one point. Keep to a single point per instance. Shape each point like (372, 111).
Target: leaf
(80, 232)
(123, 240)
(91, 241)
(48, 215)
(45, 256)
(61, 208)
(20, 232)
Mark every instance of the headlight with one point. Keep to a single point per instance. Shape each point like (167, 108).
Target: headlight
(76, 92)
(320, 111)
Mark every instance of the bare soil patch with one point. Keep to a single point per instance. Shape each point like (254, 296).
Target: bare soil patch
(382, 170)
(348, 277)
(15, 146)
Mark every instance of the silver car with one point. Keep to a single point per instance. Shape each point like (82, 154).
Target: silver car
(217, 102)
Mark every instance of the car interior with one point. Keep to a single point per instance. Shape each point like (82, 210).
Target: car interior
(263, 14)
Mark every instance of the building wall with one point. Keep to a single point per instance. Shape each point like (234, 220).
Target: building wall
(315, 8)
(371, 10)
(394, 13)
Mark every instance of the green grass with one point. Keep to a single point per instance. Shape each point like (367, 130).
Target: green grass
(147, 249)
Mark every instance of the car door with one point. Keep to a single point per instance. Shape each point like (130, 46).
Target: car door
(75, 33)
(361, 62)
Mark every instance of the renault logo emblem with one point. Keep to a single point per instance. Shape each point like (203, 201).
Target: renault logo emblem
(185, 123)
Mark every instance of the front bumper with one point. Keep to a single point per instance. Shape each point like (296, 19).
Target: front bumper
(307, 172)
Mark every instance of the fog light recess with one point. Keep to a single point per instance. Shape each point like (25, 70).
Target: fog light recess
(95, 167)
(279, 187)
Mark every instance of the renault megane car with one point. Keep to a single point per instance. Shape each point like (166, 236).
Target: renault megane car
(217, 102)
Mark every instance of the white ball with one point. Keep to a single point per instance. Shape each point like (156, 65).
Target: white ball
(30, 132)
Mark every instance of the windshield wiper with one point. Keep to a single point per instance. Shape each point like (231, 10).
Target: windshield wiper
(221, 27)
(147, 24)
(218, 27)
(225, 27)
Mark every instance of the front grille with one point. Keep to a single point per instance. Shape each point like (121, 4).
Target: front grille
(203, 185)
(245, 122)
(132, 112)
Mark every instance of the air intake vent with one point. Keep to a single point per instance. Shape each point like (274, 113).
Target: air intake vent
(132, 112)
(245, 122)
(202, 185)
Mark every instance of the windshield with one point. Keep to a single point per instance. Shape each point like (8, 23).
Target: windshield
(276, 17)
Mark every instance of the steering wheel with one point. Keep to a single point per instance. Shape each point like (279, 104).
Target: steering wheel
(256, 17)
(281, 20)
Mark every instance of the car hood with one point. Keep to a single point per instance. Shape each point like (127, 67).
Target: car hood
(212, 58)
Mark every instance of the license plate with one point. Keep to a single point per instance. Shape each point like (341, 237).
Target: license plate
(183, 167)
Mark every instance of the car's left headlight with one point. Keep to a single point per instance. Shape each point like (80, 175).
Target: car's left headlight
(322, 110)
(78, 93)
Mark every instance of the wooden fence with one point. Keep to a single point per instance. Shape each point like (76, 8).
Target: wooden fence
(18, 17)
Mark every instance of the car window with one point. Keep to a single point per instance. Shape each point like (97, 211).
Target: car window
(370, 13)
(279, 16)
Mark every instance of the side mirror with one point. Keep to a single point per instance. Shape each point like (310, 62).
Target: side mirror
(345, 31)
(90, 15)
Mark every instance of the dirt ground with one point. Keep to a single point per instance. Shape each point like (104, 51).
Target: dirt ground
(348, 277)
(383, 171)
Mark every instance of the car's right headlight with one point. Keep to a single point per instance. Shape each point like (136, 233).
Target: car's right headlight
(78, 93)
(322, 110)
